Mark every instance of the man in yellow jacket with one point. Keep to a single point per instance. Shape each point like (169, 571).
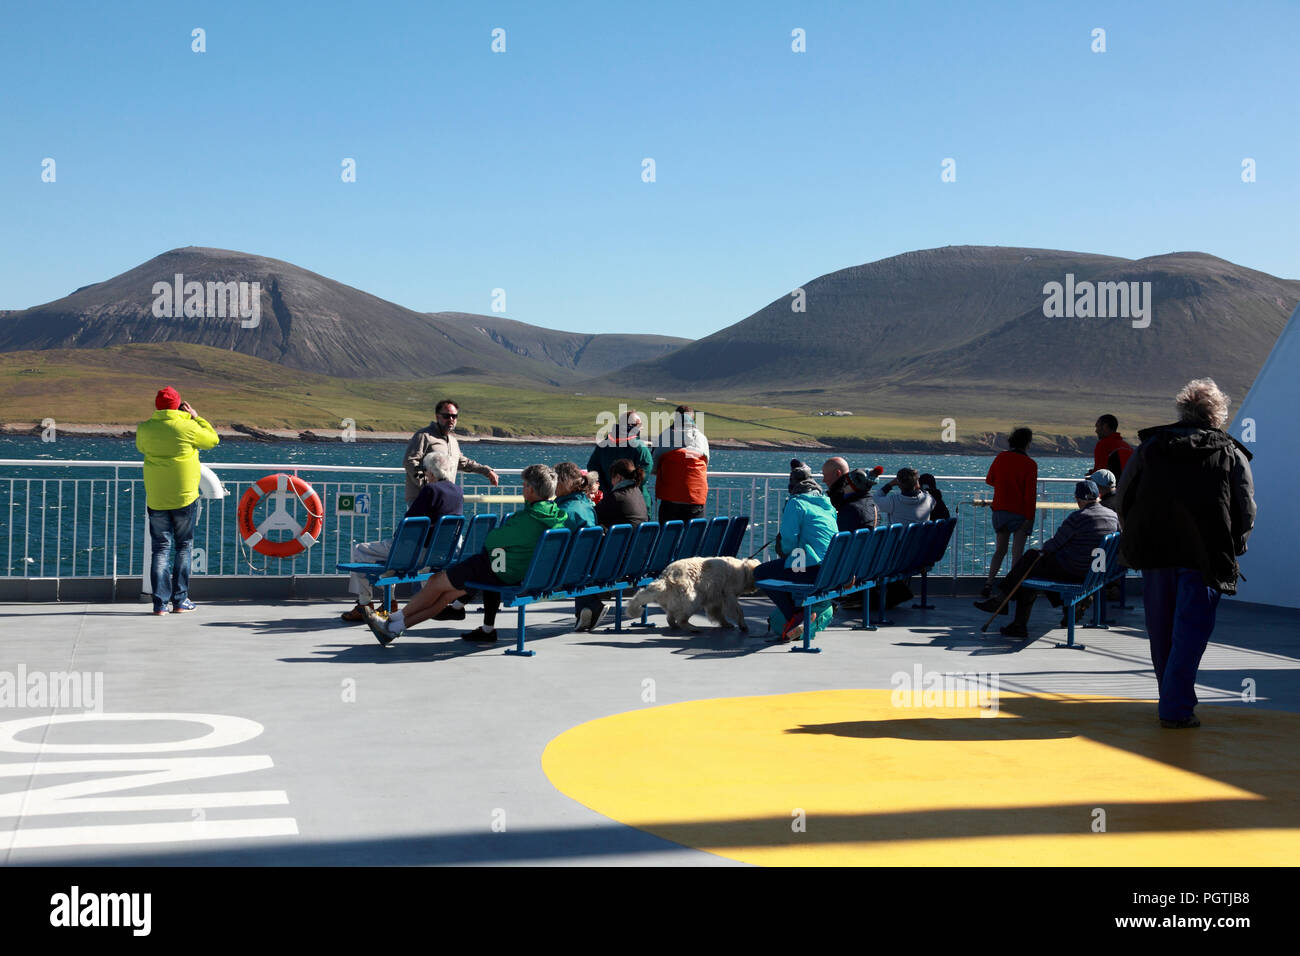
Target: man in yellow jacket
(170, 443)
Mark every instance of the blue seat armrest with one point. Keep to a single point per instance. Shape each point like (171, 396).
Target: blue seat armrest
(777, 585)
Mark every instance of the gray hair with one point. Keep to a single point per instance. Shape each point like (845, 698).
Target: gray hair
(1203, 403)
(435, 466)
(540, 478)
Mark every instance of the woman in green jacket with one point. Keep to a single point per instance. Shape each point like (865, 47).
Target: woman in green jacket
(507, 552)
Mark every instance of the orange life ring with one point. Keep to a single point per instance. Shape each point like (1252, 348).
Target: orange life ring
(304, 536)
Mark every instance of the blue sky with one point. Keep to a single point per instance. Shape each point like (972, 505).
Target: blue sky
(522, 170)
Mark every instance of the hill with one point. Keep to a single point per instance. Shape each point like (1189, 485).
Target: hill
(312, 323)
(962, 329)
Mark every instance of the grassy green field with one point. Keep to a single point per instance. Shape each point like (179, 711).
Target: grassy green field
(116, 385)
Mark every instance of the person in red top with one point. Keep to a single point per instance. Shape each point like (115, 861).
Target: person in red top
(1111, 449)
(1014, 477)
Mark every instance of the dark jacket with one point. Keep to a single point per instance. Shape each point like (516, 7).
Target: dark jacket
(623, 504)
(853, 509)
(603, 458)
(437, 499)
(1078, 536)
(1187, 500)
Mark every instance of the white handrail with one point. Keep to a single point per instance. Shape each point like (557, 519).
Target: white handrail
(384, 469)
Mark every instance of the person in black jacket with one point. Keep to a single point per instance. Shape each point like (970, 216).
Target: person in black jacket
(850, 494)
(1067, 556)
(622, 504)
(1186, 503)
(940, 511)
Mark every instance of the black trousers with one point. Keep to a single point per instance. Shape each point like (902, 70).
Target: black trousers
(674, 511)
(1048, 568)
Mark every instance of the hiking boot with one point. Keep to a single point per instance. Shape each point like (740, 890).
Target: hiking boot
(1190, 722)
(480, 636)
(1013, 630)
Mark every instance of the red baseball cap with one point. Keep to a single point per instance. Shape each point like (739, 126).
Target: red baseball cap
(167, 398)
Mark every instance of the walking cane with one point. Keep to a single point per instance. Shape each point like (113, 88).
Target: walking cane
(1022, 580)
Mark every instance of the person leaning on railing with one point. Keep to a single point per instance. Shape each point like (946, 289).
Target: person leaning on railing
(440, 436)
(438, 497)
(170, 442)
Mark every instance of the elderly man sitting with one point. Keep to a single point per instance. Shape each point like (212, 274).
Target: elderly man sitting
(438, 496)
(1066, 557)
(507, 552)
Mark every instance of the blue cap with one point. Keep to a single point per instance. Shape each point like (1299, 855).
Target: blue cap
(1086, 489)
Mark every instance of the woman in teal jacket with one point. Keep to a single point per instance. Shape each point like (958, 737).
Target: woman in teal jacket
(807, 527)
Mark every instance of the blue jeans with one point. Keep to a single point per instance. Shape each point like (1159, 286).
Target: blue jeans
(171, 536)
(777, 571)
(1180, 612)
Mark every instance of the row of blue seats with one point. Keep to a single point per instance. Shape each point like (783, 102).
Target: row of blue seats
(591, 562)
(596, 561)
(1105, 569)
(857, 561)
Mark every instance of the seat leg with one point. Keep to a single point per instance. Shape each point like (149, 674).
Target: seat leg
(806, 647)
(520, 625)
(881, 587)
(924, 605)
(618, 610)
(866, 611)
(1069, 629)
(1098, 609)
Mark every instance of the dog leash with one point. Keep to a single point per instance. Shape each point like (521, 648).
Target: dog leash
(750, 558)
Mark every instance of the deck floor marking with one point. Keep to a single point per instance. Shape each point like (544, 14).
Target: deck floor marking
(878, 784)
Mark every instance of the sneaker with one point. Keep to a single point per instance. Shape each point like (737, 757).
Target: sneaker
(1013, 630)
(160, 611)
(479, 636)
(450, 613)
(378, 626)
(600, 616)
(584, 620)
(991, 604)
(1190, 722)
(184, 606)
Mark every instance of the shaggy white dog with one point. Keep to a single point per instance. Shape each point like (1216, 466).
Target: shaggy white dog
(691, 585)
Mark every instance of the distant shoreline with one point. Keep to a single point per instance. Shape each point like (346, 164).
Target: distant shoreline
(248, 433)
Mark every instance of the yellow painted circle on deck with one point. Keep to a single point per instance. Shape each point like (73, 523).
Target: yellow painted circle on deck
(872, 783)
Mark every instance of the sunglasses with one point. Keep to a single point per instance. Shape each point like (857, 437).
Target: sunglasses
(449, 414)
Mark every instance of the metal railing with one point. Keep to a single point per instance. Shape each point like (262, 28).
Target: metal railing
(96, 525)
